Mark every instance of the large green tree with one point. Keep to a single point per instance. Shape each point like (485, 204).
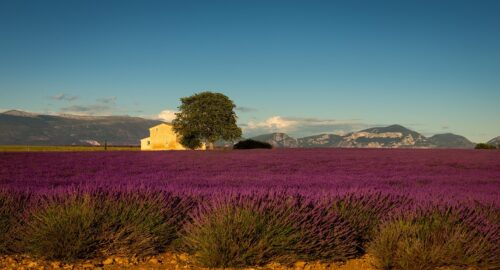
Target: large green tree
(205, 118)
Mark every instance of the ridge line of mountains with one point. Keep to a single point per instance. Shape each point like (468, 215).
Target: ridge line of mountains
(394, 136)
(23, 128)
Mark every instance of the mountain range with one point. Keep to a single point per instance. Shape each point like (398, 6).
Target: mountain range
(23, 128)
(394, 136)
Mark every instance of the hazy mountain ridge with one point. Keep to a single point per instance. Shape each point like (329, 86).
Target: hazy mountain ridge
(494, 141)
(394, 136)
(448, 140)
(322, 140)
(22, 128)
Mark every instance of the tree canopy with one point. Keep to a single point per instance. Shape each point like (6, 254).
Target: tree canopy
(205, 118)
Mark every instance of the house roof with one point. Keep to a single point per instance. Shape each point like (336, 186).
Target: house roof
(162, 124)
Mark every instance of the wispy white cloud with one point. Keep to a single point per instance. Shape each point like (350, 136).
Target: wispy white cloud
(106, 100)
(166, 115)
(273, 123)
(102, 106)
(63, 97)
(244, 109)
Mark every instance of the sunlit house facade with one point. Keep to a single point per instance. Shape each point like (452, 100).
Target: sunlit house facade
(162, 137)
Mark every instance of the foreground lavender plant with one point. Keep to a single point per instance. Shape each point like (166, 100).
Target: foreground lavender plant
(239, 231)
(12, 206)
(437, 238)
(95, 223)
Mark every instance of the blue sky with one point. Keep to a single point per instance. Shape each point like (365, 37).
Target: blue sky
(302, 67)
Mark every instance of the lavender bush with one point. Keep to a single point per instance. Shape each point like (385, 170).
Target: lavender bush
(89, 223)
(325, 234)
(65, 229)
(254, 229)
(240, 231)
(437, 239)
(364, 212)
(12, 206)
(140, 223)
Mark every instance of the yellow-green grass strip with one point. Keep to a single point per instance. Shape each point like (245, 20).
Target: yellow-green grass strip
(64, 148)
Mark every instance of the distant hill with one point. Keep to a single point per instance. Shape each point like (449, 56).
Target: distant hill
(22, 128)
(494, 141)
(450, 140)
(323, 140)
(394, 136)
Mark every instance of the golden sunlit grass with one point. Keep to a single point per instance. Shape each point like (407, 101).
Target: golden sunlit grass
(69, 148)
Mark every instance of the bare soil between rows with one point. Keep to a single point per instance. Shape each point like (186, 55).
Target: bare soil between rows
(169, 261)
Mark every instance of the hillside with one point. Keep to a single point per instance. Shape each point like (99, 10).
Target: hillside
(394, 136)
(22, 128)
(450, 140)
(323, 140)
(494, 141)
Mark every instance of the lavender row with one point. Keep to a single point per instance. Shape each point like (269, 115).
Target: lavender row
(243, 229)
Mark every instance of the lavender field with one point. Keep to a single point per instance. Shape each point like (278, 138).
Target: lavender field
(240, 208)
(429, 175)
